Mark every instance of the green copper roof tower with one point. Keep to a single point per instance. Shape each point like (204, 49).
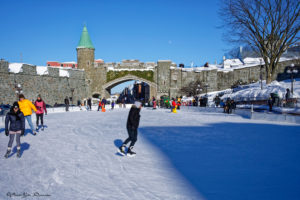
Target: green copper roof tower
(85, 40)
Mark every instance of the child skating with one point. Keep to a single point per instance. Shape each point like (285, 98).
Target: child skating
(41, 109)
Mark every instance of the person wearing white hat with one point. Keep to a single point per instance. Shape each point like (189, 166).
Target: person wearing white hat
(132, 126)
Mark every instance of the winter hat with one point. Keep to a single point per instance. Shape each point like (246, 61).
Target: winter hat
(39, 96)
(137, 104)
(15, 105)
(21, 96)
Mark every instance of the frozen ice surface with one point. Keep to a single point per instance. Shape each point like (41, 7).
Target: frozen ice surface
(188, 155)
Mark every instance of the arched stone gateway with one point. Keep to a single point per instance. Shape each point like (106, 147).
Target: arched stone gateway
(164, 77)
(109, 85)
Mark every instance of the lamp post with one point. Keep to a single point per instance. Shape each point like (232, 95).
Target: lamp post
(260, 75)
(72, 91)
(206, 97)
(206, 86)
(291, 70)
(198, 90)
(18, 89)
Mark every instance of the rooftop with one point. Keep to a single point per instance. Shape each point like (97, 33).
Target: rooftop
(85, 40)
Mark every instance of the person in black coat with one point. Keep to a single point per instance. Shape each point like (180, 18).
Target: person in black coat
(132, 126)
(288, 94)
(67, 102)
(14, 125)
(90, 104)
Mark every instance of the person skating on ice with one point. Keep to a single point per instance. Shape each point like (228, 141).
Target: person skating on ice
(26, 108)
(14, 125)
(41, 109)
(132, 126)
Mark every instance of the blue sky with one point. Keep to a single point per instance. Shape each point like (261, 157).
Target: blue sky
(183, 31)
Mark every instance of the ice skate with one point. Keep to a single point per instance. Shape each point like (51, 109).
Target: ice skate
(122, 150)
(7, 153)
(130, 153)
(18, 153)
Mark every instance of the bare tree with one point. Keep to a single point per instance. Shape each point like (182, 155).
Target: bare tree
(270, 27)
(193, 88)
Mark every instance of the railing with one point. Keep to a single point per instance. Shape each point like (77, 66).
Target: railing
(3, 114)
(290, 103)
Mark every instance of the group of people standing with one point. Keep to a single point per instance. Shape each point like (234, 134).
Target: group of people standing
(229, 105)
(15, 120)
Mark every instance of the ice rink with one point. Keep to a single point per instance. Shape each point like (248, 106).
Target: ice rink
(188, 155)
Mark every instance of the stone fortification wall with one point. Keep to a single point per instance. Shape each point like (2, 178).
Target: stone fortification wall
(219, 79)
(53, 86)
(56, 83)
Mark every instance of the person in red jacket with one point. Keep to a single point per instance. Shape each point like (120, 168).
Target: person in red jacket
(173, 105)
(41, 109)
(99, 105)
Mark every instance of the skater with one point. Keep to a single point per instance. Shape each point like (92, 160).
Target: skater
(132, 126)
(173, 106)
(288, 94)
(79, 104)
(270, 103)
(217, 100)
(103, 102)
(67, 102)
(112, 105)
(90, 104)
(178, 103)
(99, 105)
(154, 104)
(14, 125)
(26, 108)
(41, 109)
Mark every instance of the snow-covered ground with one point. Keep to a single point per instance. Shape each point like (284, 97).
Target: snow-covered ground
(253, 92)
(188, 155)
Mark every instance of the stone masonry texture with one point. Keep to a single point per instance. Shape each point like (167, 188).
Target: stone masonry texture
(90, 79)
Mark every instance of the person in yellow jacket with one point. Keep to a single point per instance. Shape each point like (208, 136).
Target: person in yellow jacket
(26, 108)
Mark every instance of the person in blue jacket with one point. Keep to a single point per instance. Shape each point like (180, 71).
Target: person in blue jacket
(103, 102)
(14, 126)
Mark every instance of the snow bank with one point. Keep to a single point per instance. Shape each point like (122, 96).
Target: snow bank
(42, 70)
(64, 73)
(15, 67)
(254, 91)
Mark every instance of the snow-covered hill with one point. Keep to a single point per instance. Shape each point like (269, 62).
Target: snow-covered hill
(254, 91)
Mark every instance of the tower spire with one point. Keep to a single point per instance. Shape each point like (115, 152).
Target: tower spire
(85, 40)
